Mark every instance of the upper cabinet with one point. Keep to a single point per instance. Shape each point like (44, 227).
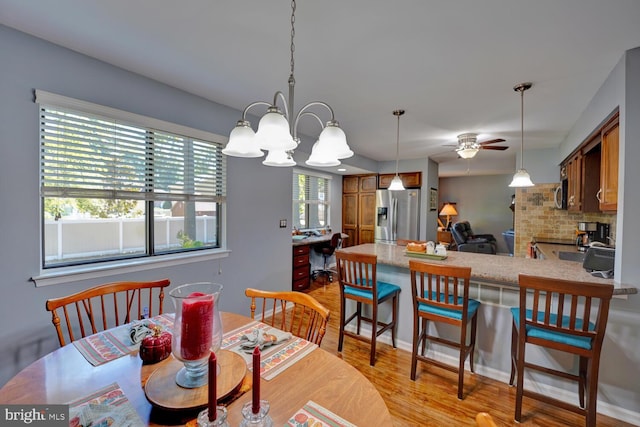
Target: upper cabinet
(409, 179)
(608, 192)
(592, 171)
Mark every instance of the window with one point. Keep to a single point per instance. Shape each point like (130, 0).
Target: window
(115, 185)
(310, 200)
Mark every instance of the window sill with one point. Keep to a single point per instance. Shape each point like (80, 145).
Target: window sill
(84, 272)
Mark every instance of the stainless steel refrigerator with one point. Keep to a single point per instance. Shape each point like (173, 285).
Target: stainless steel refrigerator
(397, 215)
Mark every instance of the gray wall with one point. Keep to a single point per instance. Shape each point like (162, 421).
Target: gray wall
(258, 196)
(483, 201)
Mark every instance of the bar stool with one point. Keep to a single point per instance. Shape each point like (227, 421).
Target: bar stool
(562, 315)
(358, 282)
(441, 294)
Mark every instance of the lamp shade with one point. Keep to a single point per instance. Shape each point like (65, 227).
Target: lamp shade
(521, 179)
(467, 153)
(242, 142)
(396, 184)
(322, 155)
(278, 158)
(333, 136)
(448, 209)
(273, 132)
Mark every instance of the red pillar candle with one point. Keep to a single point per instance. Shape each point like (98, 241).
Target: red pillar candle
(197, 326)
(213, 385)
(255, 404)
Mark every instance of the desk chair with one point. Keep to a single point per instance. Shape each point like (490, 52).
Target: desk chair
(291, 311)
(358, 282)
(327, 251)
(105, 306)
(566, 316)
(441, 294)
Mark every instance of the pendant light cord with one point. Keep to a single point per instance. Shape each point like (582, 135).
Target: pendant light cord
(398, 113)
(522, 128)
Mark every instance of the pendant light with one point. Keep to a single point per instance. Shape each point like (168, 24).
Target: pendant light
(521, 177)
(278, 130)
(396, 182)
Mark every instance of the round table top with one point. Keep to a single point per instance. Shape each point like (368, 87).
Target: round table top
(65, 375)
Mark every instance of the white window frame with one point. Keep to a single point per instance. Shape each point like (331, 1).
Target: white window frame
(310, 202)
(65, 274)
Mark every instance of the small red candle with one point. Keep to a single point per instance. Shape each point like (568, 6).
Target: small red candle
(255, 404)
(213, 385)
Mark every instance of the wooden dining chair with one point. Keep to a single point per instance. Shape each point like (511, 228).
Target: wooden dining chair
(440, 293)
(290, 311)
(562, 315)
(484, 419)
(105, 306)
(359, 283)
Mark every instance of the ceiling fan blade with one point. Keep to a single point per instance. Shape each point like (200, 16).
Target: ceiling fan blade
(492, 141)
(495, 147)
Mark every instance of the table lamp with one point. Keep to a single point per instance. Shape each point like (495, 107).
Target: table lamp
(449, 210)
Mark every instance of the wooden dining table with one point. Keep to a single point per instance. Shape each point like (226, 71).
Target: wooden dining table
(65, 375)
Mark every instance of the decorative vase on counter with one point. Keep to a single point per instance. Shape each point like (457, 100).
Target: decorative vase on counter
(197, 330)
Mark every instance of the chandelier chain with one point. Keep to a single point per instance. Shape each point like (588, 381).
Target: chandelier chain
(293, 33)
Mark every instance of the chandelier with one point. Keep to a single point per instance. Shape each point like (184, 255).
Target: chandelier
(468, 145)
(278, 131)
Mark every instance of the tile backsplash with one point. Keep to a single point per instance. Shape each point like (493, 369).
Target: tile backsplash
(537, 216)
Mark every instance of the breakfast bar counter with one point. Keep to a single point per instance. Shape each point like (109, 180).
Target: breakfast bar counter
(495, 269)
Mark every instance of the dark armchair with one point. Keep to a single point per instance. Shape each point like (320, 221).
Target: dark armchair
(469, 242)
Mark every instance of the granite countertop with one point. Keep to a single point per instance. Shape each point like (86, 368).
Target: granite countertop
(497, 269)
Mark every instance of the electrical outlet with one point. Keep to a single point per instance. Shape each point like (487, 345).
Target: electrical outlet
(283, 223)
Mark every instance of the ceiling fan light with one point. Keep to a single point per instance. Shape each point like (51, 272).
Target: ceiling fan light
(467, 153)
(273, 132)
(242, 142)
(279, 158)
(396, 184)
(521, 179)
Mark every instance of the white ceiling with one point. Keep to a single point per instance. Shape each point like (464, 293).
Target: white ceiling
(450, 64)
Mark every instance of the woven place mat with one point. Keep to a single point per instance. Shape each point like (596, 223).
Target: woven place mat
(312, 414)
(105, 407)
(274, 359)
(109, 345)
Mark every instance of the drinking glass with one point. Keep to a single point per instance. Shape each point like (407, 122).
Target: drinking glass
(197, 330)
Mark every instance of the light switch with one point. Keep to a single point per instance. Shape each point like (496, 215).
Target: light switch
(283, 223)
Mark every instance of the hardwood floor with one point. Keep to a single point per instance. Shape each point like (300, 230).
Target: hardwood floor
(432, 400)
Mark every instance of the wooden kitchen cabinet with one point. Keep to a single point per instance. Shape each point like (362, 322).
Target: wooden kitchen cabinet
(409, 179)
(592, 171)
(608, 193)
(574, 187)
(359, 208)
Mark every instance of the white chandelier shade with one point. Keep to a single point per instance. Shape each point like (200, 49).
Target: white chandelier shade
(278, 158)
(243, 142)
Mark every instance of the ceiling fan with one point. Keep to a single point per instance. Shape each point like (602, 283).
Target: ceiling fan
(468, 145)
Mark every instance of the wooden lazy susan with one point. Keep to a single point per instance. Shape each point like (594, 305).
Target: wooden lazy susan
(162, 391)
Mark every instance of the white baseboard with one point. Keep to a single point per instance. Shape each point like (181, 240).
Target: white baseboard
(604, 408)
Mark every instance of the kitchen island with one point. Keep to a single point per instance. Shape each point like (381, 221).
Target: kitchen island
(494, 282)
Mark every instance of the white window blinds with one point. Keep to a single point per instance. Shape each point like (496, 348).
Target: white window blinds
(311, 200)
(84, 154)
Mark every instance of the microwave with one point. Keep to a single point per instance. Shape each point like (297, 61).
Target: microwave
(560, 194)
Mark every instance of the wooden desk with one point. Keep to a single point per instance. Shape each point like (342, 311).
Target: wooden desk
(64, 375)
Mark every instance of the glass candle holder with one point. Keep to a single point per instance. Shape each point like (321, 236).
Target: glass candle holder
(221, 418)
(197, 330)
(261, 419)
